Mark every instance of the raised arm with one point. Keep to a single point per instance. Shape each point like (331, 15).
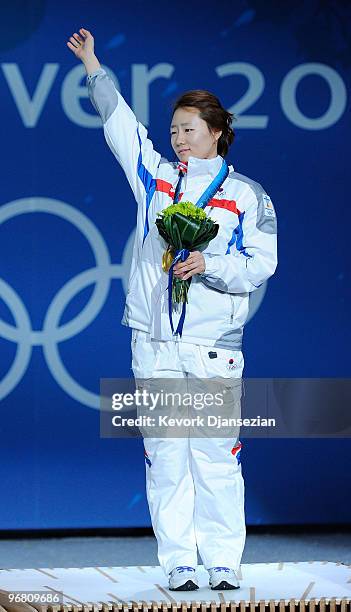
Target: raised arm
(124, 134)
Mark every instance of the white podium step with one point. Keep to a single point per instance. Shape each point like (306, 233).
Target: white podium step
(314, 586)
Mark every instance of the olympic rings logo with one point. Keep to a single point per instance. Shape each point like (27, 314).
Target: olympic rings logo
(52, 333)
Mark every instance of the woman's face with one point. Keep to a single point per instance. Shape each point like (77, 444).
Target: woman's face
(190, 135)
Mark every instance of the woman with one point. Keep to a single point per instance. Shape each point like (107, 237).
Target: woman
(194, 486)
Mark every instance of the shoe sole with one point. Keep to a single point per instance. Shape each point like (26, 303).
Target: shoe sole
(189, 585)
(224, 586)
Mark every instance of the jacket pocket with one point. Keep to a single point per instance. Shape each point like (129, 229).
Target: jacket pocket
(132, 283)
(232, 308)
(134, 337)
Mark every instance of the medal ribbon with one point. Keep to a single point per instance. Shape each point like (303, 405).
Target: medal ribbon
(182, 254)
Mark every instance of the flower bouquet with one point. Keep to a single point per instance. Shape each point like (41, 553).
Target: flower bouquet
(185, 227)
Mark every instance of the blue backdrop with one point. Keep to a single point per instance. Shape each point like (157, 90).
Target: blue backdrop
(67, 219)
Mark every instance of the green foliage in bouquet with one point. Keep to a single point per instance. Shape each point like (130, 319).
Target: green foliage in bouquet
(184, 226)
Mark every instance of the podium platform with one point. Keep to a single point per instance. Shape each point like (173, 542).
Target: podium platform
(314, 586)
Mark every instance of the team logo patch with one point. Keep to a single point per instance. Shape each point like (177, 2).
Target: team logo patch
(236, 451)
(268, 207)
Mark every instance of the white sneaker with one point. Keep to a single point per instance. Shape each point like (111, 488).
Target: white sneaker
(223, 579)
(183, 578)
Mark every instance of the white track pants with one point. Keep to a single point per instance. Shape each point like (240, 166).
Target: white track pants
(194, 485)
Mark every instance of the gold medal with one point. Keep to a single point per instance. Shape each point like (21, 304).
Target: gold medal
(167, 259)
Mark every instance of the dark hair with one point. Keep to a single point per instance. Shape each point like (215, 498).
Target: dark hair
(211, 111)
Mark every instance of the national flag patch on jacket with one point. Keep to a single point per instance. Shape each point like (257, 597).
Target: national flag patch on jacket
(236, 451)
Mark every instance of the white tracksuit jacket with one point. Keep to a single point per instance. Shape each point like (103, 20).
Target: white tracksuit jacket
(241, 257)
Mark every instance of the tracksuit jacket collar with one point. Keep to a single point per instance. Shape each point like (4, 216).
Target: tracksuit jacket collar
(204, 167)
(196, 167)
